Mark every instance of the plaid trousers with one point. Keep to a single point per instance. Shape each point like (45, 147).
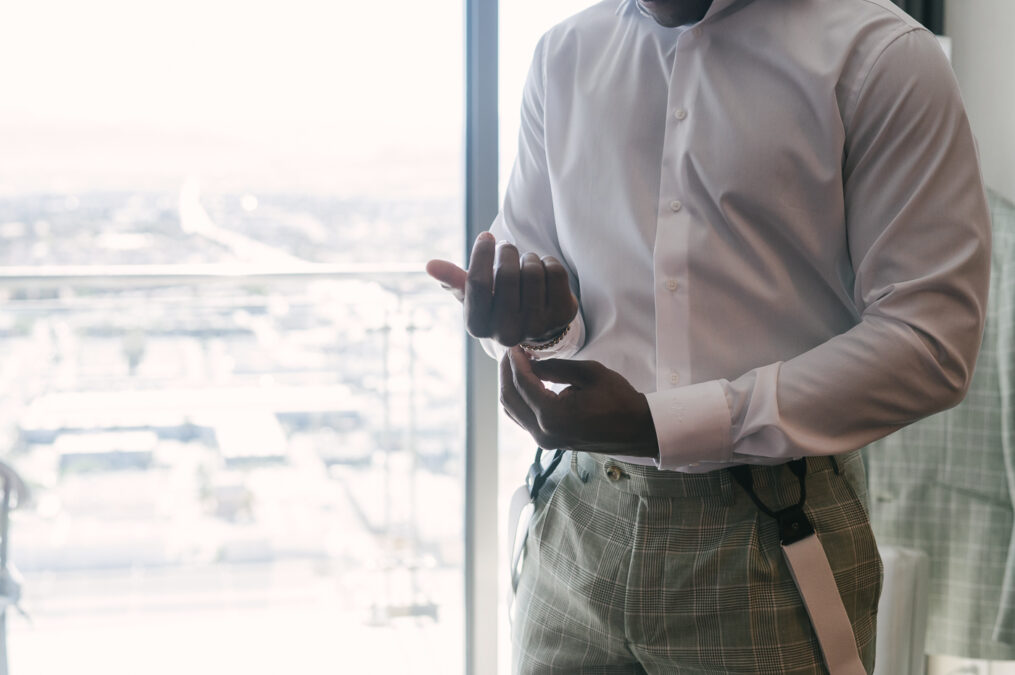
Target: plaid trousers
(629, 569)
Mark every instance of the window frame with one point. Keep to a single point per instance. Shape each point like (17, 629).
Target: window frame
(481, 407)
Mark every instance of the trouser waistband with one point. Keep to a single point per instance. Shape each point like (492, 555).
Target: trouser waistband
(776, 483)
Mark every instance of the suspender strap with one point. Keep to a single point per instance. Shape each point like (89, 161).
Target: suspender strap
(538, 475)
(523, 496)
(812, 575)
(515, 548)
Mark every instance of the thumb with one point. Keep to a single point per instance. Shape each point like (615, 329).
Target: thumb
(450, 275)
(565, 371)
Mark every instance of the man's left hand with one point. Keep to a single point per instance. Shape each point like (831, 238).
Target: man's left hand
(598, 412)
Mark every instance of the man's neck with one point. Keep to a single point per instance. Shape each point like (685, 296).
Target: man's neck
(673, 13)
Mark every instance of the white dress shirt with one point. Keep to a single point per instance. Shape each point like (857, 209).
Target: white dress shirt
(774, 220)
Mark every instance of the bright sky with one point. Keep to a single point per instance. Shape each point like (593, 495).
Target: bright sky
(339, 96)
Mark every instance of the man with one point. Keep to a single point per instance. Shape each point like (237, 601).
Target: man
(774, 235)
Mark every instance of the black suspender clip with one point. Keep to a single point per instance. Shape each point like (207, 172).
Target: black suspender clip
(794, 524)
(537, 475)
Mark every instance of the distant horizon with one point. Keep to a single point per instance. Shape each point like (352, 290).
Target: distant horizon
(344, 101)
(64, 157)
(322, 98)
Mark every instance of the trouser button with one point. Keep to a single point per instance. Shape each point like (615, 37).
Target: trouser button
(613, 472)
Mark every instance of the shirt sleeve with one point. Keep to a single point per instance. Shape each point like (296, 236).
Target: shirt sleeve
(919, 238)
(527, 218)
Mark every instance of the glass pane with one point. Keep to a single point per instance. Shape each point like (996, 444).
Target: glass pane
(235, 397)
(522, 23)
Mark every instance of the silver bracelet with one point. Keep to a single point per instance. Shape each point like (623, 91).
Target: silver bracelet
(542, 346)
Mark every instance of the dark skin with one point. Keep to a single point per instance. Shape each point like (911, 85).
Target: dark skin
(508, 298)
(599, 411)
(514, 299)
(673, 13)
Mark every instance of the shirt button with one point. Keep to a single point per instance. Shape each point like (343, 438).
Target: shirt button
(671, 284)
(694, 464)
(613, 472)
(675, 206)
(680, 113)
(675, 378)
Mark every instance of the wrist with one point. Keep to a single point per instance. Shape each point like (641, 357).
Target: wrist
(545, 342)
(645, 441)
(554, 332)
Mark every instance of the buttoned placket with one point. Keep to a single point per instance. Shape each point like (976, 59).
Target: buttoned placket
(674, 220)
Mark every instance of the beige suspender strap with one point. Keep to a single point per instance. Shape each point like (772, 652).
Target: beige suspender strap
(813, 577)
(524, 496)
(812, 574)
(515, 545)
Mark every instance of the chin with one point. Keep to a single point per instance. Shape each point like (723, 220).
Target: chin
(672, 13)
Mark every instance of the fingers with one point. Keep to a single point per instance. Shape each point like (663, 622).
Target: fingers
(533, 282)
(513, 404)
(559, 298)
(576, 373)
(545, 304)
(506, 315)
(561, 304)
(540, 400)
(450, 276)
(479, 286)
(506, 298)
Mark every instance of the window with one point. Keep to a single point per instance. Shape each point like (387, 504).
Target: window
(234, 394)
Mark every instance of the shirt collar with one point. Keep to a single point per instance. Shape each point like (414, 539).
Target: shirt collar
(628, 6)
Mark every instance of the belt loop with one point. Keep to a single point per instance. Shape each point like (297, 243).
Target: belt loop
(582, 474)
(835, 464)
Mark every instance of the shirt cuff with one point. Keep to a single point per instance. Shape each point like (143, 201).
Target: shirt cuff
(568, 346)
(692, 425)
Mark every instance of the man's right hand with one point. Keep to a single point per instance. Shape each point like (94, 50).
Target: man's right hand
(507, 298)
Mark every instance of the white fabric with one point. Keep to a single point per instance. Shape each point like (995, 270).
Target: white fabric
(813, 576)
(781, 204)
(954, 665)
(520, 502)
(902, 612)
(515, 546)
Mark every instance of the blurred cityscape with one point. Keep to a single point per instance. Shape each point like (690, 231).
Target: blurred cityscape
(238, 445)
